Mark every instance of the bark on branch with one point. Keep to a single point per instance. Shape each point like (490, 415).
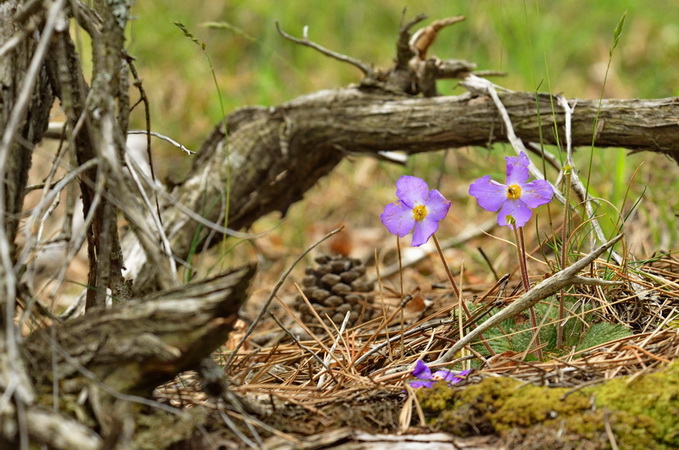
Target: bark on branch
(139, 344)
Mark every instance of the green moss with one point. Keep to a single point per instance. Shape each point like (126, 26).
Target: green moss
(641, 412)
(530, 405)
(651, 399)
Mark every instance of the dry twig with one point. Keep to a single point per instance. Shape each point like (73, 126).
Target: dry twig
(542, 290)
(338, 56)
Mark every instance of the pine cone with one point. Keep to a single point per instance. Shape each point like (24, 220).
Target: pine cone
(336, 286)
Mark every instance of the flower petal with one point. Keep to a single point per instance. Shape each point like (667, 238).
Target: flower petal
(536, 193)
(517, 169)
(421, 370)
(443, 374)
(489, 194)
(420, 383)
(517, 209)
(450, 376)
(437, 205)
(424, 229)
(398, 219)
(411, 190)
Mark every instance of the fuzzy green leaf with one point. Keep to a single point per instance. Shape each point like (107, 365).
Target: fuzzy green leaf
(602, 333)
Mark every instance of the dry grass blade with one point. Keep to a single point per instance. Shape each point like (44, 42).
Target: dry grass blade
(365, 384)
(273, 294)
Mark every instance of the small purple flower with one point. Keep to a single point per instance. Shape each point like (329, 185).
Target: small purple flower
(418, 211)
(427, 378)
(516, 198)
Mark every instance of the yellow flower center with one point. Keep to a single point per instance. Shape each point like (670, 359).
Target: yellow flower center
(420, 212)
(513, 191)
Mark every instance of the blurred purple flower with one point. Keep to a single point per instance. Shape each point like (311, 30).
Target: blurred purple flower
(427, 378)
(418, 211)
(516, 198)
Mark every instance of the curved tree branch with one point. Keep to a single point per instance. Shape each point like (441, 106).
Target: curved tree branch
(138, 344)
(277, 154)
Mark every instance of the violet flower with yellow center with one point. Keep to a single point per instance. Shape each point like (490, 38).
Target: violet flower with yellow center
(516, 197)
(418, 210)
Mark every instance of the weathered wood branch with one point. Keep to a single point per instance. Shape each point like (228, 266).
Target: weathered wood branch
(128, 349)
(277, 154)
(267, 158)
(138, 344)
(25, 101)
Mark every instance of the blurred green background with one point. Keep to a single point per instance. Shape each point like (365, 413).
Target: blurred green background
(562, 47)
(559, 45)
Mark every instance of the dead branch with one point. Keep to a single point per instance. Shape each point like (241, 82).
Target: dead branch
(26, 98)
(138, 344)
(404, 52)
(363, 67)
(57, 431)
(425, 37)
(118, 354)
(277, 154)
(553, 284)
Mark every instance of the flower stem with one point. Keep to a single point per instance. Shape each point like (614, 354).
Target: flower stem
(521, 248)
(564, 238)
(445, 264)
(400, 264)
(463, 305)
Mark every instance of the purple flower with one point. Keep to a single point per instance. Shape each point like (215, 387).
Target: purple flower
(427, 378)
(516, 198)
(418, 211)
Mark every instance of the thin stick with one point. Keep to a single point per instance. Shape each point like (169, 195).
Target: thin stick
(609, 431)
(329, 356)
(338, 56)
(180, 146)
(542, 290)
(577, 184)
(490, 264)
(481, 85)
(461, 306)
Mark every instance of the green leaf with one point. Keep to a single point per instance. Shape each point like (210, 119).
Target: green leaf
(602, 333)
